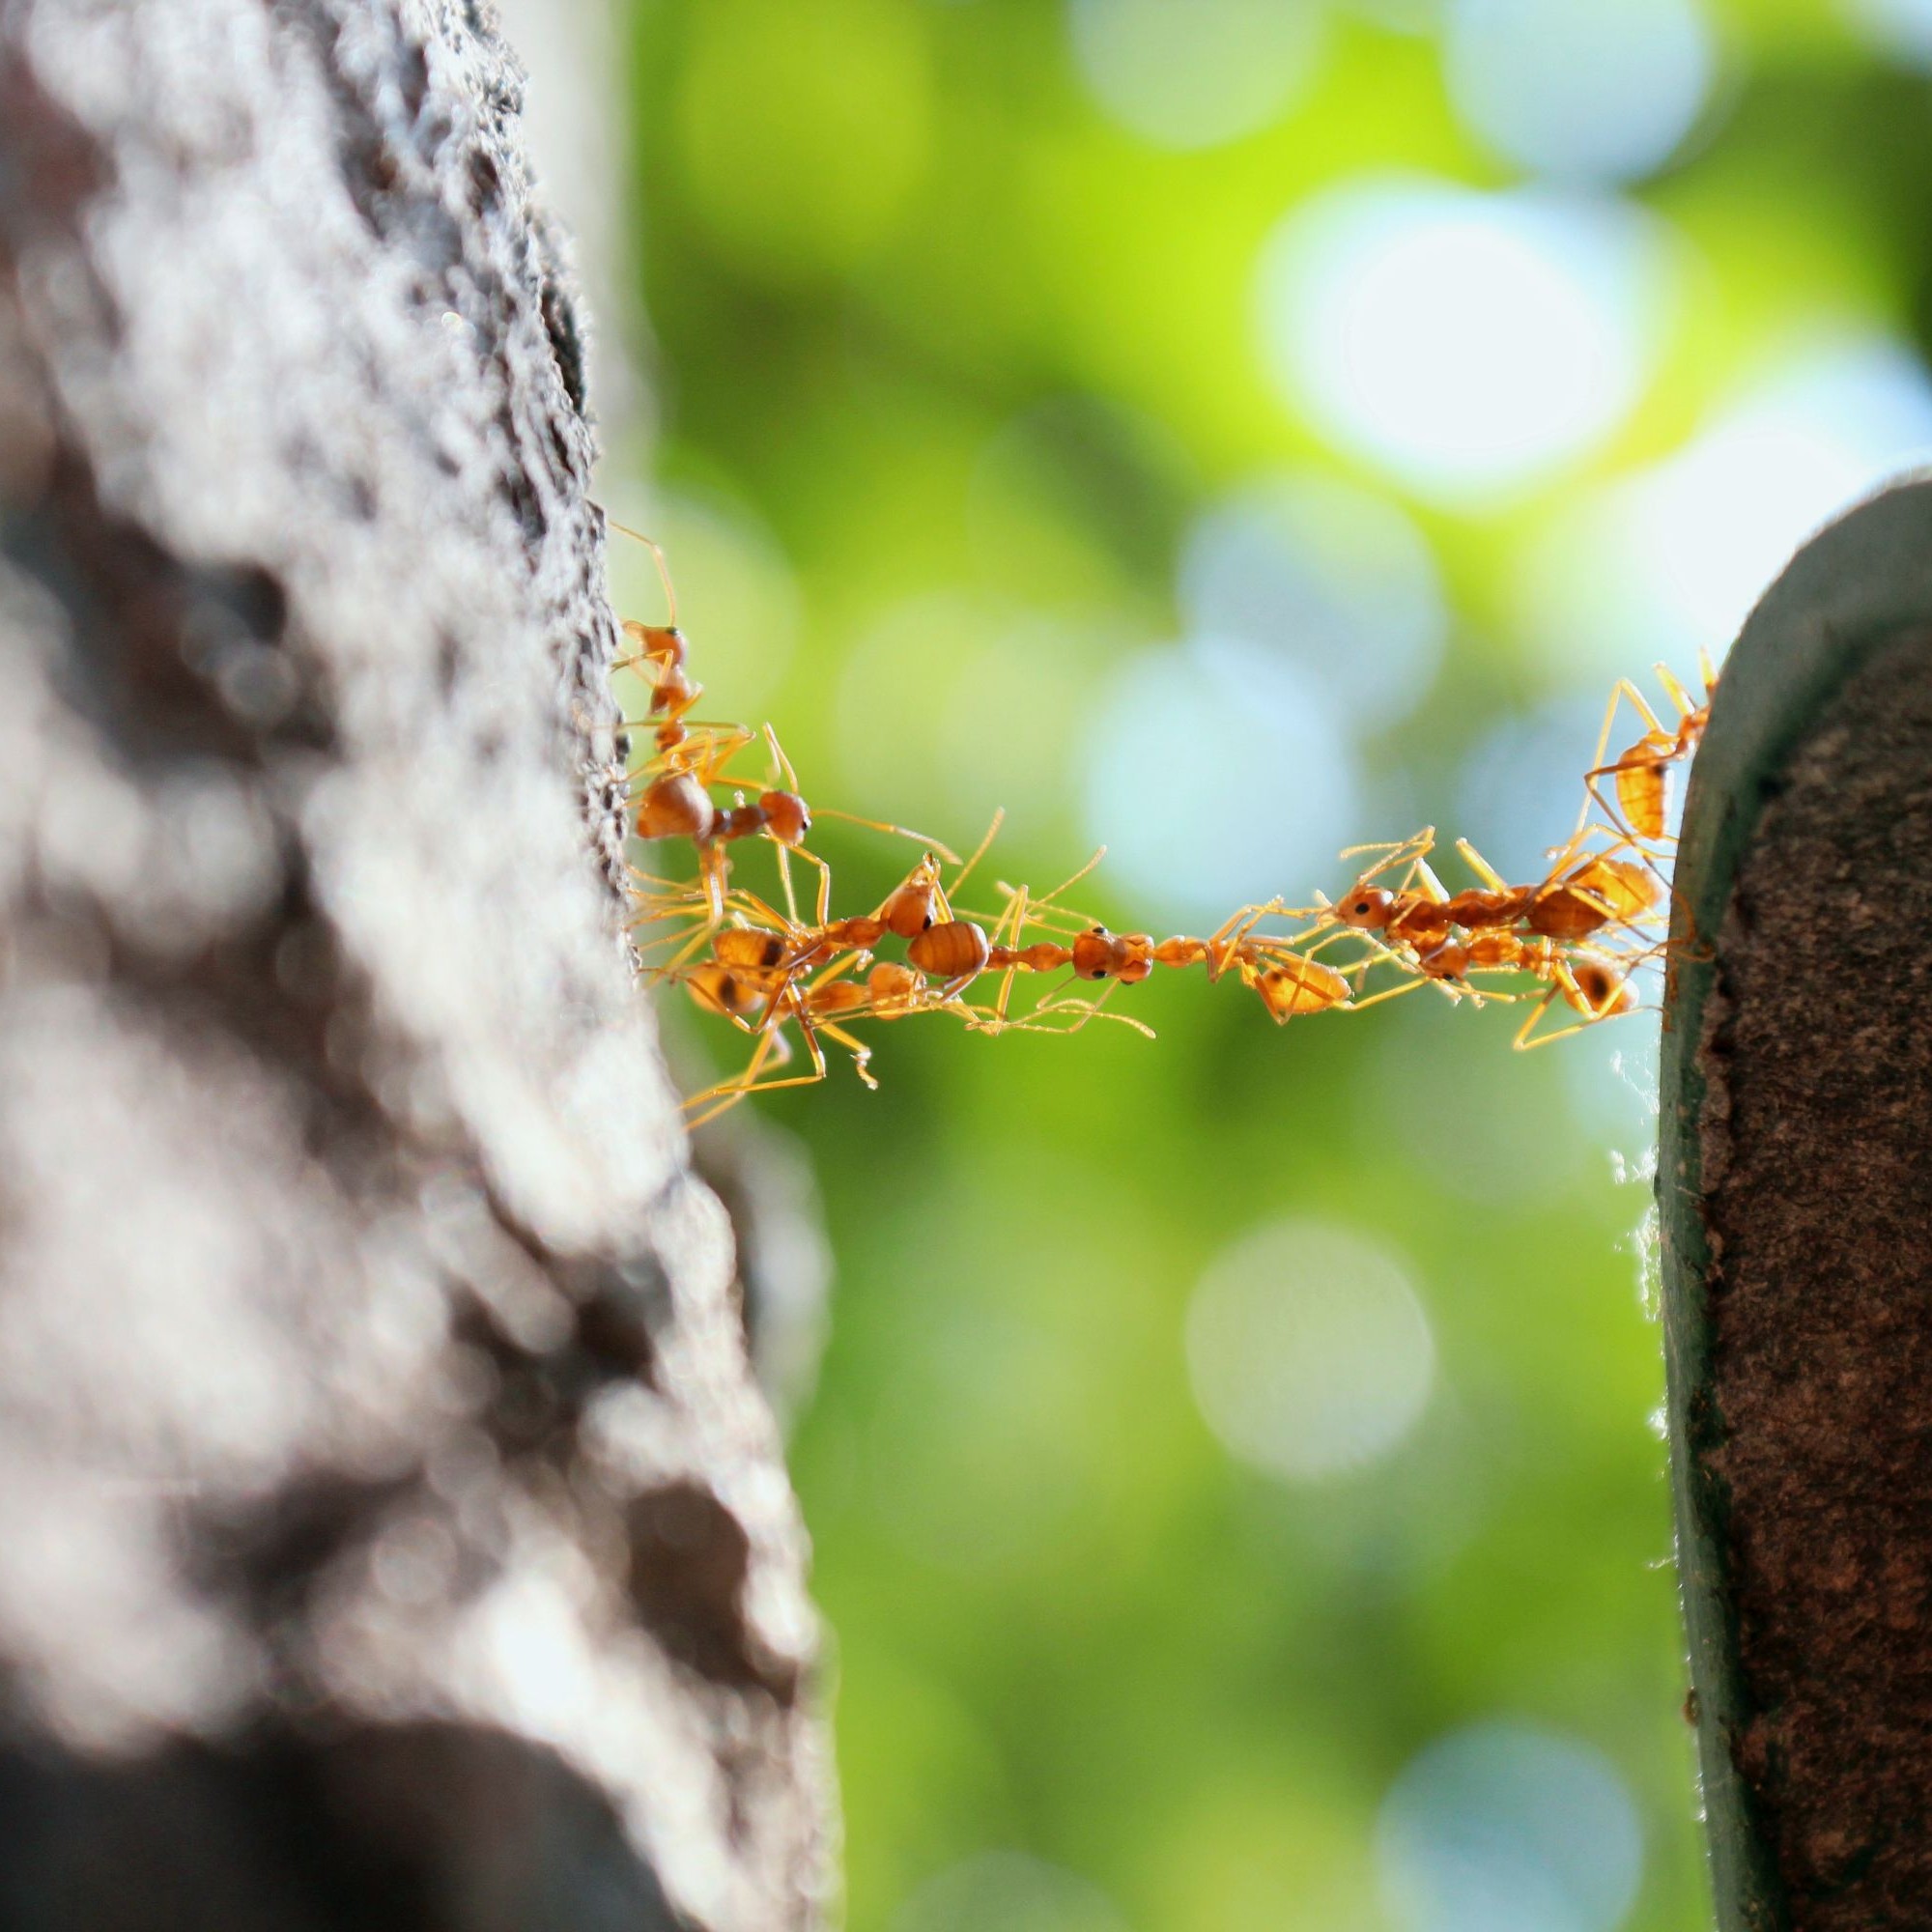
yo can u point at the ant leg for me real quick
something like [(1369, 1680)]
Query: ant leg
[(979, 850), (1073, 878), (1394, 992), (1417, 843), (824, 895), (861, 1053), (943, 851), (1085, 1009), (781, 766), (837, 970), (736, 1091), (715, 870), (784, 883), (1526, 1037), (1223, 941), (1016, 907), (692, 946), (1411, 851), (1674, 690), (1620, 691), (1094, 1005), (655, 549), (1561, 1033), (1481, 866), (1596, 766), (705, 758)]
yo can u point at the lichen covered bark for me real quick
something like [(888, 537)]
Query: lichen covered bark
[(392, 1532)]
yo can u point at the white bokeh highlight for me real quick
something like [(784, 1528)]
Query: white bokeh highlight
[(1506, 1827), (1195, 74), (1520, 786), (1672, 558), (1465, 343), (1309, 1349), (1217, 772), (1575, 91), (1331, 577), (1902, 28)]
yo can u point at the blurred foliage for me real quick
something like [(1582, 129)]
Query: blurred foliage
[(951, 359)]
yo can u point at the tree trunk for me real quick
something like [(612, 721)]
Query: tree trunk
[(1795, 1188), (390, 1531)]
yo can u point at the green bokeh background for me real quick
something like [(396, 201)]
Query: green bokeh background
[(929, 326)]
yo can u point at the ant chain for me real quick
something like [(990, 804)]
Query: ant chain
[(1566, 946)]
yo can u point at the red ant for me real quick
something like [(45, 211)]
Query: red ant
[(1640, 771)]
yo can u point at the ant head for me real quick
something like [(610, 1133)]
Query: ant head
[(1095, 953), (1367, 906), (787, 816)]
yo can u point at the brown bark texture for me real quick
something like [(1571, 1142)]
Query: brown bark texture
[(1817, 1176), (392, 1533)]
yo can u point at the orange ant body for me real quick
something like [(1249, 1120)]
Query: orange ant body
[(1640, 772), (1593, 985), (765, 971), (676, 802), (1569, 904)]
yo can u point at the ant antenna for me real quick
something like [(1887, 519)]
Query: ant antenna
[(655, 549)]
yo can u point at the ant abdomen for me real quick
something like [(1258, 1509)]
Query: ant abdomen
[(746, 947), (1303, 986), (1477, 909), (676, 806), (957, 950), (1601, 989), (714, 986), (1566, 912)]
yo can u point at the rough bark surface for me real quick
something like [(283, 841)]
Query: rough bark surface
[(1817, 1172), (390, 1531)]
